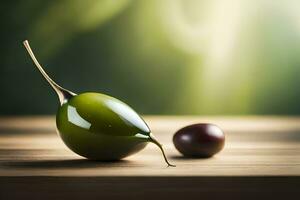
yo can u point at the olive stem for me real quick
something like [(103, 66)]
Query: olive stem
[(63, 94), (153, 140)]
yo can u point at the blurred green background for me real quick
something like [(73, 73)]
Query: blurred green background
[(231, 57)]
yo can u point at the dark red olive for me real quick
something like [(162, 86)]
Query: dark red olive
[(199, 140)]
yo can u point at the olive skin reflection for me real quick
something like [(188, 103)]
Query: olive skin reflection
[(199, 140)]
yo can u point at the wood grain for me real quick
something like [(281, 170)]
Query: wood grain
[(261, 153)]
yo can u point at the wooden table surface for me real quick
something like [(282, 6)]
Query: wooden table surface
[(261, 157)]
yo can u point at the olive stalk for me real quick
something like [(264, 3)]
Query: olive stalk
[(63, 94), (153, 140)]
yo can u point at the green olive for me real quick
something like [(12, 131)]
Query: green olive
[(101, 127), (97, 126)]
